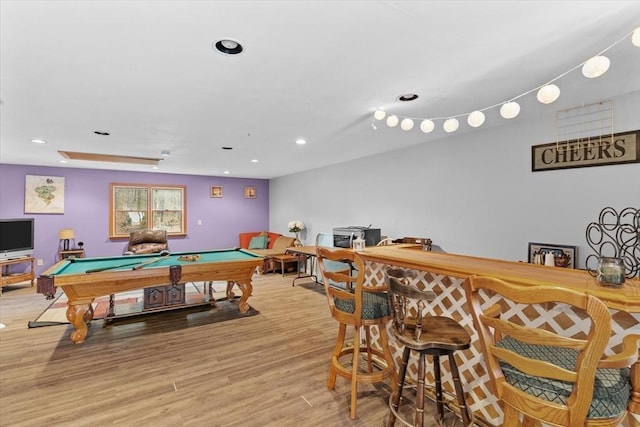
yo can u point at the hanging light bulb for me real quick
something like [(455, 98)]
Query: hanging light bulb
[(407, 124), (427, 126), (510, 109), (379, 114), (548, 93), (635, 37), (595, 67), (450, 125), (392, 120), (475, 119)]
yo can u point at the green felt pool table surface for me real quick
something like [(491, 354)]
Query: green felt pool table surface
[(128, 262)]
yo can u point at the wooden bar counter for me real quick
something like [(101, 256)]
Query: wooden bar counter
[(445, 274)]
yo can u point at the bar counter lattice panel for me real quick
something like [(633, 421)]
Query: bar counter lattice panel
[(450, 301)]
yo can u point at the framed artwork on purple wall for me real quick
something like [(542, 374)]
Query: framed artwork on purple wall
[(216, 191), (44, 194), (249, 192)]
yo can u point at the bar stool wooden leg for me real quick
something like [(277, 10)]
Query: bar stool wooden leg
[(397, 395), (354, 372), (420, 391), (462, 402), (439, 400), (331, 380)]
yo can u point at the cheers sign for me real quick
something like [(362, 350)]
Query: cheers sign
[(595, 151)]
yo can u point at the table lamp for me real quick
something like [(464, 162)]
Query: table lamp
[(66, 234)]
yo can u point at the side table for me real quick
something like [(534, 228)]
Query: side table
[(71, 253), (8, 278)]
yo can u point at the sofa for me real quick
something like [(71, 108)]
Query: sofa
[(266, 244)]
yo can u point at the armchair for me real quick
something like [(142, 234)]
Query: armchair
[(147, 242)]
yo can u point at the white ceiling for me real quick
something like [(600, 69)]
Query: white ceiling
[(146, 72)]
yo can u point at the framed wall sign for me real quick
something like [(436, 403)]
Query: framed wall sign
[(619, 148)]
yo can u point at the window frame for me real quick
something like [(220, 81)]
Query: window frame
[(149, 209)]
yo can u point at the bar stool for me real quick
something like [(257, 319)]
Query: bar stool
[(355, 305), (427, 335)]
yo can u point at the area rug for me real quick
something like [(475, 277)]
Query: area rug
[(126, 303)]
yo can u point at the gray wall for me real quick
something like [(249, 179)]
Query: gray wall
[(471, 193)]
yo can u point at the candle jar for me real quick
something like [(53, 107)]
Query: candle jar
[(610, 271)]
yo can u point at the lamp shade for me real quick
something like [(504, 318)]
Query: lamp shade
[(510, 109), (406, 124), (427, 126), (635, 37), (66, 233), (595, 67), (476, 119), (548, 93), (450, 125)]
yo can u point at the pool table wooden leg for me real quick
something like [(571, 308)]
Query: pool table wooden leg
[(246, 288), (79, 316)]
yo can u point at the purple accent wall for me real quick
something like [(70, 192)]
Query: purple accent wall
[(86, 209)]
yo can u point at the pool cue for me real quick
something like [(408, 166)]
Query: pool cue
[(96, 270), (151, 261)]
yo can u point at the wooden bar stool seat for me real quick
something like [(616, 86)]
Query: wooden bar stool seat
[(436, 336)]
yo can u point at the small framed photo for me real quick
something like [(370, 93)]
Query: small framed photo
[(249, 192), (564, 255), (216, 191)]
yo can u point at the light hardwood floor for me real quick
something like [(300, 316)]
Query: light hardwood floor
[(182, 368)]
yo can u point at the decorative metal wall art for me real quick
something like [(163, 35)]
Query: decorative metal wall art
[(616, 235)]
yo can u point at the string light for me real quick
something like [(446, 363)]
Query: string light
[(427, 126), (510, 109), (407, 124), (451, 125), (476, 119), (547, 93), (392, 120)]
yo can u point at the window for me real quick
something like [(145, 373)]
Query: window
[(140, 206)]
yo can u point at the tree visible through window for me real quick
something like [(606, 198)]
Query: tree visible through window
[(140, 206)]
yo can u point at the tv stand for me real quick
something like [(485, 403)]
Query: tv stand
[(11, 278)]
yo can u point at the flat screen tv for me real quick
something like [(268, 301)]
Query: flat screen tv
[(16, 237)]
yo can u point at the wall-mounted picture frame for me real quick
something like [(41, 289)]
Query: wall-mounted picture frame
[(565, 255), (44, 194), (249, 192), (216, 191)]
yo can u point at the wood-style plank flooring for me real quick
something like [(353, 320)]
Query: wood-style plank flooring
[(182, 368)]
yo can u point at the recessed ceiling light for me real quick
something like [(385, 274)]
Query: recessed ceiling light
[(300, 141), (408, 97), (98, 132), (227, 148), (39, 141), (226, 172), (62, 161), (228, 47), (155, 167), (254, 160)]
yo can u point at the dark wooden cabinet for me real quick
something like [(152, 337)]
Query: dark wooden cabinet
[(158, 297)]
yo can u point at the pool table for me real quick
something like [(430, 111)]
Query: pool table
[(84, 279)]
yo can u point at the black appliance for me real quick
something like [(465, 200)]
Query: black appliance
[(343, 236)]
